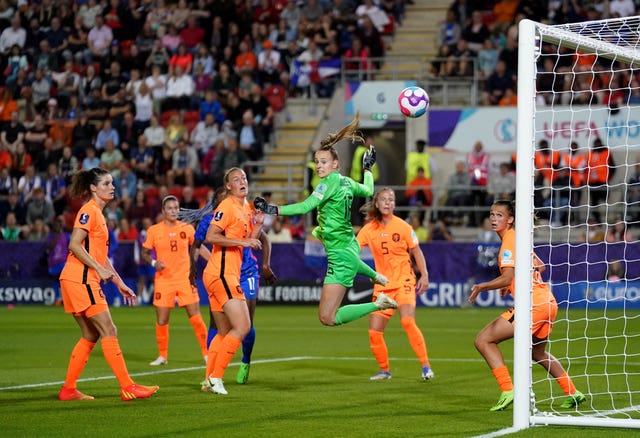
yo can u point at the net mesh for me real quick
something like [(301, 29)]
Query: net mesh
[(587, 204)]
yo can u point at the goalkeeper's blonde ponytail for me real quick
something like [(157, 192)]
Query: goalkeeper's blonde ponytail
[(350, 130)]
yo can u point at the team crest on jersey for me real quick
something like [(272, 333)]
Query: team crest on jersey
[(395, 237), (506, 254), (84, 218), (217, 216), (321, 188), (183, 235)]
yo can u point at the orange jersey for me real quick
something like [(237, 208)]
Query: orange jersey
[(90, 219), (390, 245), (171, 243), (507, 259), (236, 221)]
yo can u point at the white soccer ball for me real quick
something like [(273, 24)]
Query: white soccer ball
[(413, 101)]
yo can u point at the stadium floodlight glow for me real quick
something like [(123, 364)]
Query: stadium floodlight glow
[(597, 330)]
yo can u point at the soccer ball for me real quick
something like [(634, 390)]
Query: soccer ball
[(413, 101)]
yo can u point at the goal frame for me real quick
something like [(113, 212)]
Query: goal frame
[(531, 35)]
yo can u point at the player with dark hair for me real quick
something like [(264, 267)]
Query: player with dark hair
[(86, 266), (333, 197), (544, 310)]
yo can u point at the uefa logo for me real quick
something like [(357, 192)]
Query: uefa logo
[(505, 130)]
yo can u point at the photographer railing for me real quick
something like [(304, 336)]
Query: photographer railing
[(443, 90)]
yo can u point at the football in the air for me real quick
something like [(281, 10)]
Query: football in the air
[(413, 101)]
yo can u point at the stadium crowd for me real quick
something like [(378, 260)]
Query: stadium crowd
[(168, 95)]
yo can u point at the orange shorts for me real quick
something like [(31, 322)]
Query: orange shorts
[(83, 299), (221, 290), (166, 294), (542, 317), (402, 295)]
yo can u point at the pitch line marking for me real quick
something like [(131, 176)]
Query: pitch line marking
[(259, 361)]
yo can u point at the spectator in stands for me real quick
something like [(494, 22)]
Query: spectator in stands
[(21, 160), (188, 201), (440, 231), (12, 133), (224, 83), (250, 137), (312, 11), (548, 86), (574, 162), (89, 81), (476, 31), (91, 160), (97, 109), (421, 232), (128, 134), (155, 134), (416, 192), (98, 41), (39, 207), (204, 59), (143, 107), (262, 111), (600, 170), (546, 164), (269, 66), (171, 39), (35, 34), (6, 161), (192, 35), (12, 35), (501, 184), (107, 133), (12, 204), (16, 61), (621, 8), (77, 39), (184, 165), (56, 36), (460, 60), (204, 135), (369, 9), (142, 160), (497, 84), (245, 60), (125, 184), (509, 54), (279, 232), (126, 231), (182, 58), (111, 158), (371, 39), (619, 232), (210, 164), (38, 231), (449, 31), (68, 164), (83, 135), (12, 232), (157, 84), (487, 59), (40, 90), (211, 105), (176, 130), (291, 15), (595, 231), (158, 57), (419, 158), (180, 88), (55, 188), (360, 68), (478, 169), (88, 12), (232, 156)]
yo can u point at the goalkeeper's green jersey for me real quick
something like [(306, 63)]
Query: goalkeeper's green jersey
[(332, 197)]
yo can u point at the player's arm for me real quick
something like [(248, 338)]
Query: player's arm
[(304, 207), (368, 160), (146, 256), (266, 271), (215, 235), (423, 282), (538, 264), (78, 235), (503, 281), (128, 295)]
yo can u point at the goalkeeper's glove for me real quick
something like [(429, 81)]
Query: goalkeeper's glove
[(369, 158), (261, 205)]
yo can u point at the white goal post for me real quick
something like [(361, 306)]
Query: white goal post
[(596, 338)]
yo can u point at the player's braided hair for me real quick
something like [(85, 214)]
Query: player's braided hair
[(350, 130)]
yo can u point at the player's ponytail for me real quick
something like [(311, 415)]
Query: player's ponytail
[(191, 215), (350, 130), (83, 179)]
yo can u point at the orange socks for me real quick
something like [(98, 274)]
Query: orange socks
[(503, 378), (214, 348), (200, 329), (228, 348), (113, 355), (162, 336), (416, 339), (566, 384), (79, 357), (379, 349)]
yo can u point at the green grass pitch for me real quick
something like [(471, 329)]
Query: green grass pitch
[(306, 380)]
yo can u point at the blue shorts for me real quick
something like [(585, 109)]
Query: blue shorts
[(146, 271), (249, 284)]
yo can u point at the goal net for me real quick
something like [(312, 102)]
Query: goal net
[(577, 171)]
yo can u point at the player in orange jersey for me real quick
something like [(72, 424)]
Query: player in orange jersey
[(235, 225), (392, 242), (544, 309), (171, 240), (86, 266)]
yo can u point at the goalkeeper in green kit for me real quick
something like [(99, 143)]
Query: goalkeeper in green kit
[(333, 197)]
